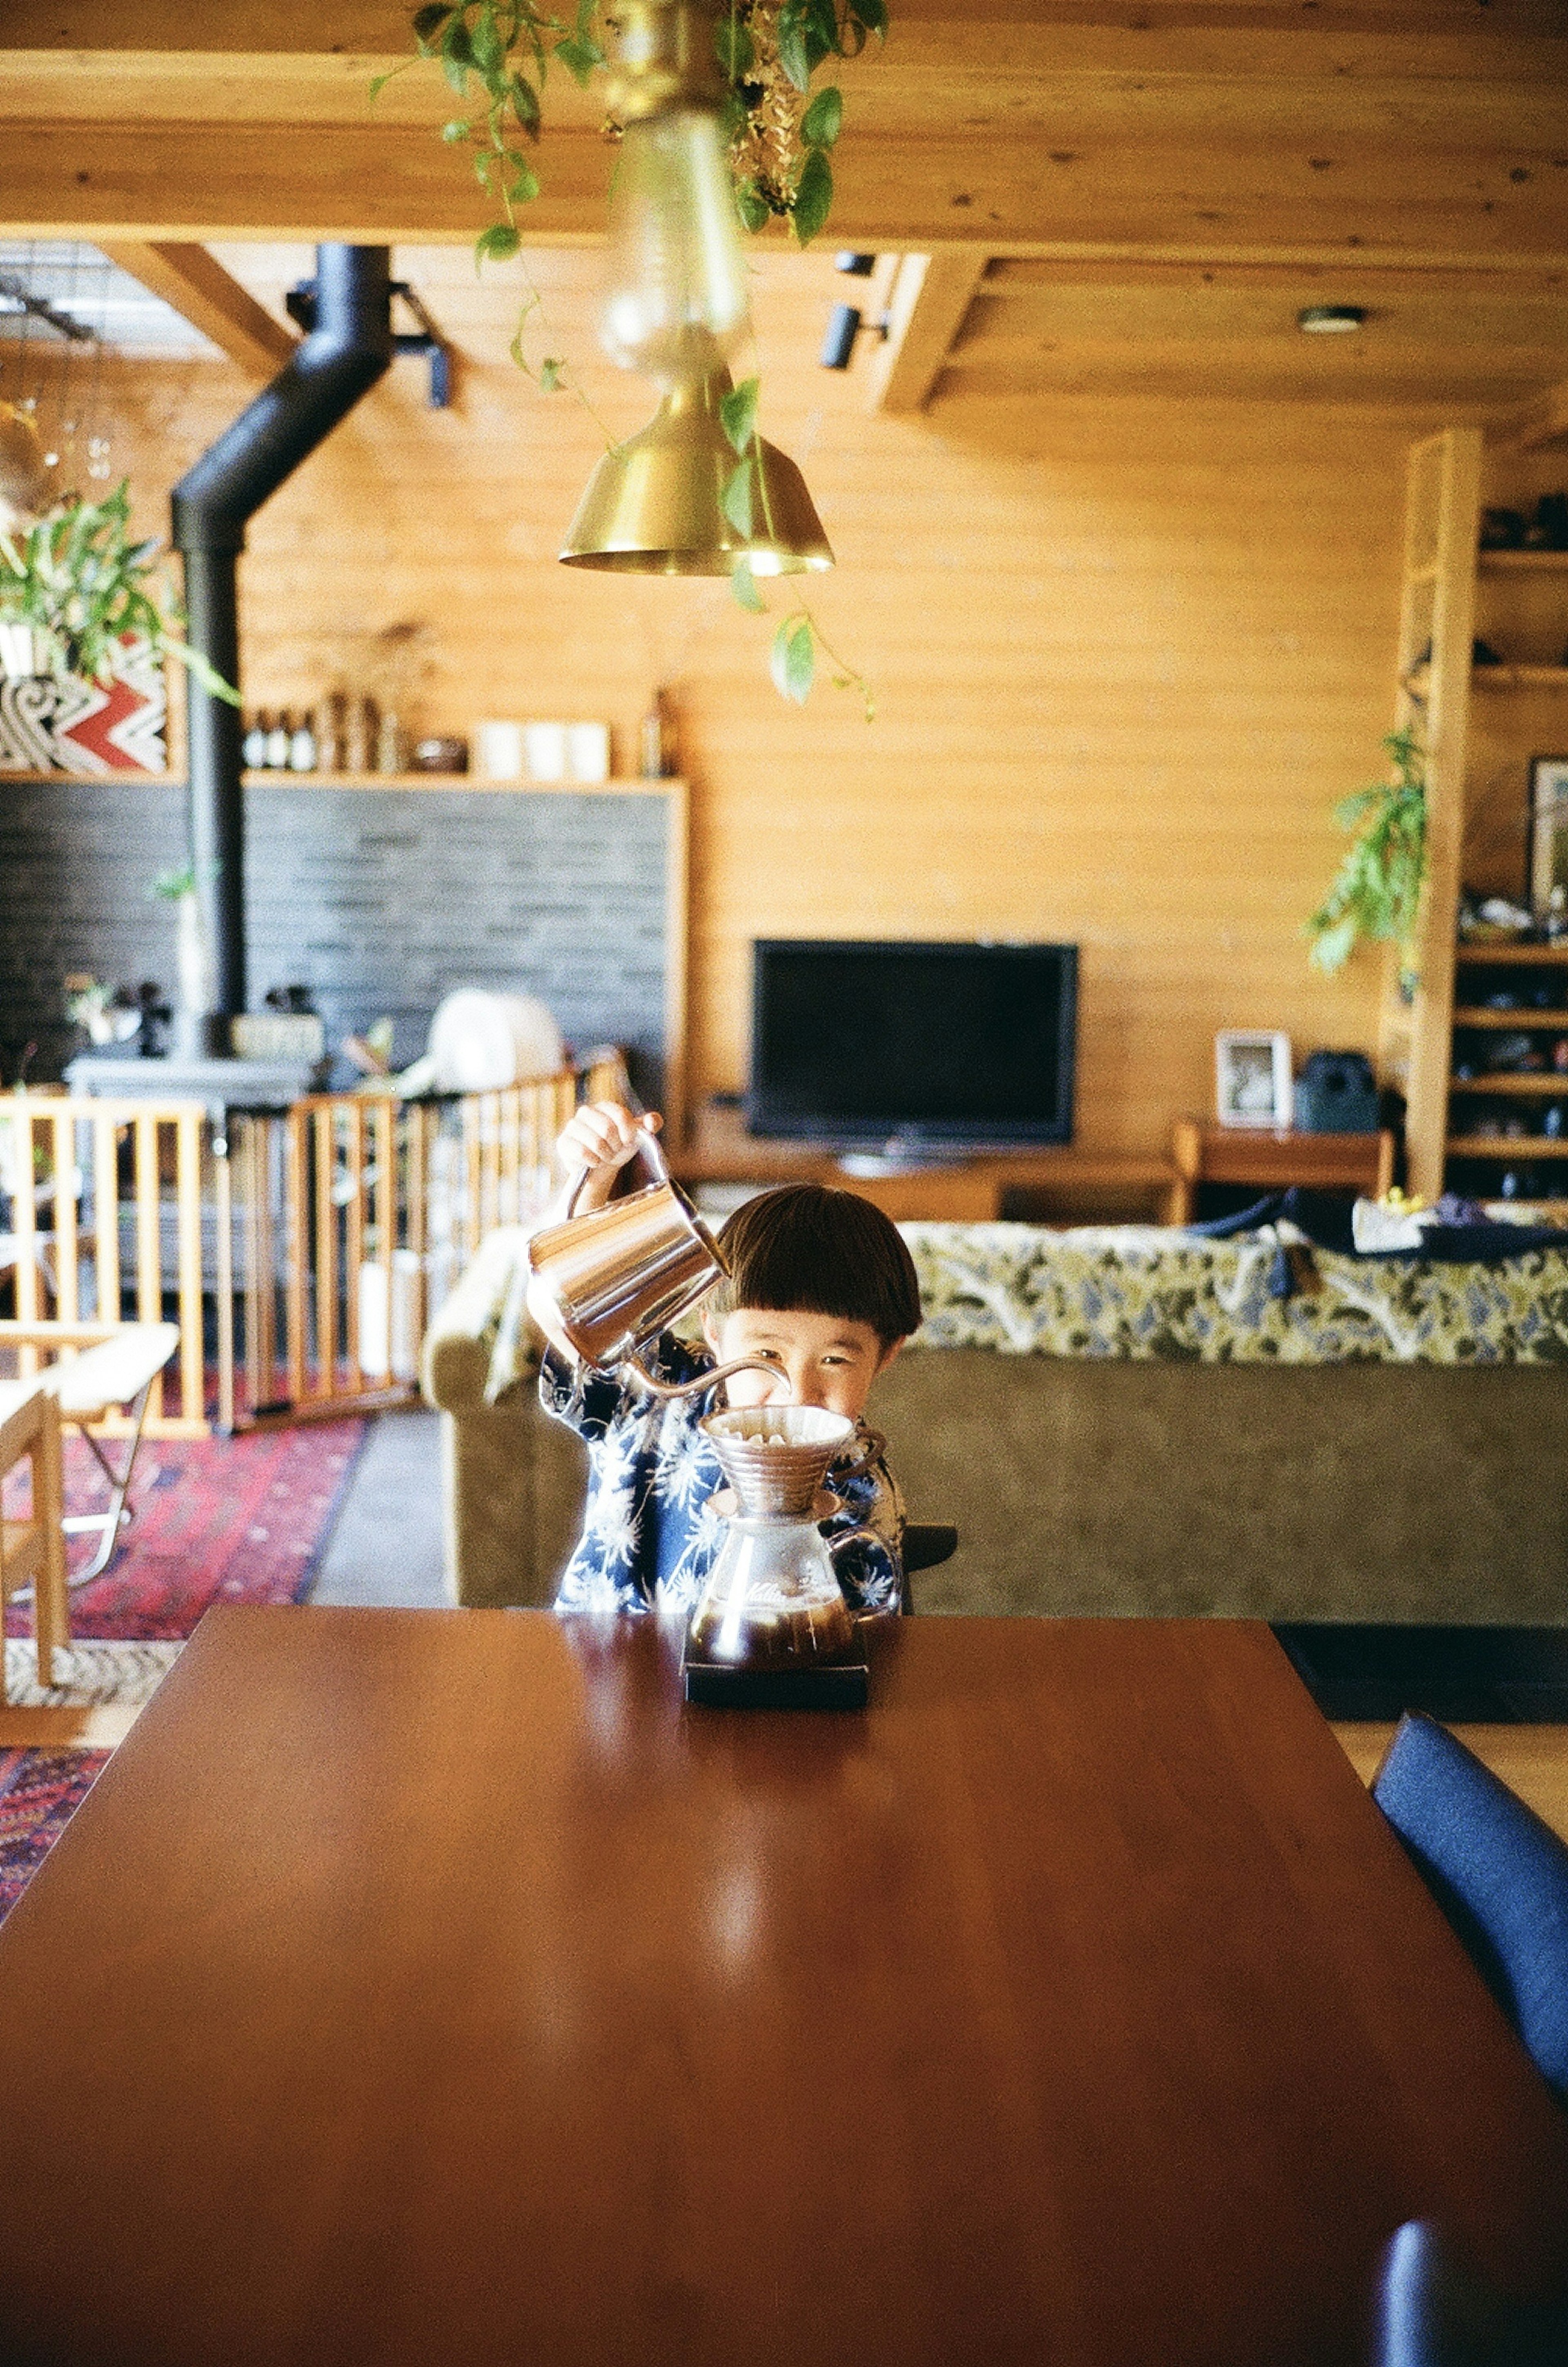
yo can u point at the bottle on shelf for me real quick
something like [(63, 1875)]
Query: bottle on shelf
[(359, 735), (277, 741), (329, 732), (655, 740), (302, 744), (388, 744), (253, 747)]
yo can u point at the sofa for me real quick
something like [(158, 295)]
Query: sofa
[(1127, 1421)]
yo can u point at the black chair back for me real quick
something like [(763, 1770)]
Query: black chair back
[(1433, 2311), (1499, 1875)]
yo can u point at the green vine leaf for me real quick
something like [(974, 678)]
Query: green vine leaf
[(497, 243), (580, 56), (737, 413), (736, 499), (751, 206), (870, 16), (743, 584), (427, 22), (792, 659), (823, 120), (737, 50), (813, 196)]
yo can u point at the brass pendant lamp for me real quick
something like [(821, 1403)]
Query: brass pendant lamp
[(653, 505), (676, 307)]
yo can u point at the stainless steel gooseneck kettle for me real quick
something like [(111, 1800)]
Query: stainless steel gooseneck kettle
[(618, 1275)]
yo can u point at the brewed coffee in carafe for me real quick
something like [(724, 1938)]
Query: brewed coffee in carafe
[(774, 1604)]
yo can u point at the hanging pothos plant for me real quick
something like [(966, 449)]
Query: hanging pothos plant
[(1377, 891), (78, 584), (780, 134)]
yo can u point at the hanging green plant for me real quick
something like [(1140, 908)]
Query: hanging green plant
[(779, 133), (1376, 893), (77, 586)]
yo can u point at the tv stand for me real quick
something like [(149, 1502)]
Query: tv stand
[(964, 1189)]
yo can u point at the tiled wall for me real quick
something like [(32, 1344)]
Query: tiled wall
[(380, 900)]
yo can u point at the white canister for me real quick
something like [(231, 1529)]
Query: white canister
[(546, 744), (501, 751), (588, 752)]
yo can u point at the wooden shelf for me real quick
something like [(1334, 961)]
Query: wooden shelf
[(1494, 677), (1506, 1148), (1522, 562), (620, 785), (1503, 953), (1547, 1088), (1557, 1020)]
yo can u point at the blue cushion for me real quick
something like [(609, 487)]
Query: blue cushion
[(1499, 1875)]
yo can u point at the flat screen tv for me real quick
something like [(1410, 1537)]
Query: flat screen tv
[(904, 1046)]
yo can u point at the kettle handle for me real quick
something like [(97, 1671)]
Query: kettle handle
[(647, 1144)]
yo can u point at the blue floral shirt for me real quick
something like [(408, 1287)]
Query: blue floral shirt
[(649, 1534)]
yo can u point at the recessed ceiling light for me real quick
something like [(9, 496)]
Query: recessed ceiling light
[(1330, 319)]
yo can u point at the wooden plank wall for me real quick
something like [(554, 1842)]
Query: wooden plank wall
[(1126, 655)]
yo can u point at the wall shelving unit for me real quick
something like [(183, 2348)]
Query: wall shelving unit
[(1446, 585)]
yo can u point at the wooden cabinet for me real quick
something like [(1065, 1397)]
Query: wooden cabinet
[(959, 1191), (1480, 725), (1272, 1159)]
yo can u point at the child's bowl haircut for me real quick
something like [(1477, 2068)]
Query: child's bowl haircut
[(805, 1249)]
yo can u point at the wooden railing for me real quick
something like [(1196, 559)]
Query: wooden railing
[(302, 1252), (104, 1218), (358, 1214)]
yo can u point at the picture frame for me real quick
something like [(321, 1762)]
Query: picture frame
[(1253, 1082), (1548, 830)]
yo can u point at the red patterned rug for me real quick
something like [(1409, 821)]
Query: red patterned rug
[(40, 1793), (216, 1520)]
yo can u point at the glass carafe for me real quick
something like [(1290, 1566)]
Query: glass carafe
[(773, 1602)]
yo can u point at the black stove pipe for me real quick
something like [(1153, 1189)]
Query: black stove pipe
[(349, 348)]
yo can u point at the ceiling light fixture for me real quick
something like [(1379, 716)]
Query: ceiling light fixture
[(858, 266), (676, 307), (1330, 319)]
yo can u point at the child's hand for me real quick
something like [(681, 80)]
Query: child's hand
[(602, 1137)]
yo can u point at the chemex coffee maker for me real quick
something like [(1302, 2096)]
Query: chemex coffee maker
[(772, 1629)]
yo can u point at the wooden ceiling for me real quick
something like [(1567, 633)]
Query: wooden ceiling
[(1094, 198)]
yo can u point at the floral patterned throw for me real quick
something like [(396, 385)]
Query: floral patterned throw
[(1145, 1291)]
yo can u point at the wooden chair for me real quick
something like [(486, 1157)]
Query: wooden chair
[(34, 1549), (98, 1369)]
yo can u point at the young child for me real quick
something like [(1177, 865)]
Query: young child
[(821, 1286)]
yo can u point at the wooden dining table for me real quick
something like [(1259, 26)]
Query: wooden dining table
[(437, 1988)]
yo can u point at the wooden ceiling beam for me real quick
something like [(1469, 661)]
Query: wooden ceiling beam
[(929, 296), (1540, 428), (370, 26), (196, 286), (375, 181)]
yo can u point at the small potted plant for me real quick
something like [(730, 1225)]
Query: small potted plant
[(1377, 890), (75, 589)]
